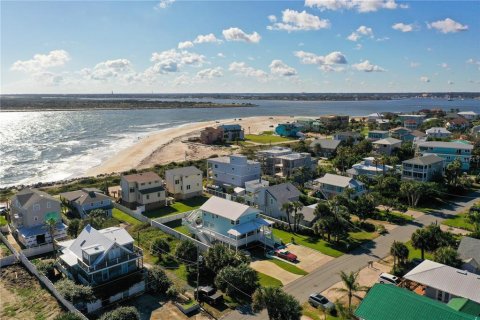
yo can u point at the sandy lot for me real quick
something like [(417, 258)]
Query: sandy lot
[(272, 270), (167, 146), (151, 308), (367, 277), (309, 259), (454, 230)]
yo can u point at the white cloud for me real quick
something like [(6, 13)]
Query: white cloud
[(207, 38), (358, 5), (241, 68), (185, 45), (331, 68), (163, 4), (444, 65), (474, 62), (48, 78), (237, 34), (424, 79), (220, 55), (272, 18), (108, 70), (414, 64), (299, 21), (447, 26), (360, 32), (210, 73), (335, 57), (55, 58), (403, 27), (366, 66), (171, 60), (280, 68)]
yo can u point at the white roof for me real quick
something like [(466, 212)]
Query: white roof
[(336, 180), (119, 235), (471, 113), (437, 130), (387, 141), (448, 279), (226, 208)]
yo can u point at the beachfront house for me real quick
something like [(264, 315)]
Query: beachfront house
[(309, 124), (233, 170), (375, 135), (423, 168), (88, 199), (184, 182), (386, 146), (457, 124), (232, 132), (288, 129), (369, 167), (283, 161), (348, 137), (143, 190), (442, 282), (29, 211), (334, 122), (449, 151), (412, 121), (438, 133), (270, 160), (331, 185), (211, 135), (469, 253), (99, 256), (469, 115), (228, 222), (272, 198), (324, 147)]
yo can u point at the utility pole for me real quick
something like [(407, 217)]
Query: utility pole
[(199, 260)]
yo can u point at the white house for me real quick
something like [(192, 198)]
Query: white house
[(469, 115), (386, 146), (233, 170), (184, 183), (88, 199), (422, 168), (369, 167), (438, 132), (143, 189), (331, 185)]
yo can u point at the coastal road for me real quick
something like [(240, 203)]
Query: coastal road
[(328, 274)]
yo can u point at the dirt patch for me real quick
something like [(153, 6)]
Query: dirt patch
[(309, 259), (169, 311), (22, 297), (367, 277), (272, 270), (454, 230)]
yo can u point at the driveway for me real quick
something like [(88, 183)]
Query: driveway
[(272, 270), (309, 259)]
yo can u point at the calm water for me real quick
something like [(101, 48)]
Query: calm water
[(50, 146)]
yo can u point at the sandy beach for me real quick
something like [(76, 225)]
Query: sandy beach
[(171, 145)]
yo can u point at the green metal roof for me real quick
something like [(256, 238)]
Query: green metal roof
[(465, 305), (388, 302)]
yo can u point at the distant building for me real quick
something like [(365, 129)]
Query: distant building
[(88, 199), (331, 185), (143, 189), (438, 132), (368, 167), (469, 252), (457, 124), (288, 130), (232, 132), (386, 146), (233, 170), (402, 133), (289, 163), (270, 160), (412, 121), (382, 124), (375, 135), (334, 122), (475, 130), (309, 124), (324, 147), (373, 117), (211, 135), (271, 199), (253, 191), (449, 151), (29, 211), (469, 115), (348, 136), (422, 168), (184, 182)]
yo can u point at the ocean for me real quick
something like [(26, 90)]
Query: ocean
[(45, 146)]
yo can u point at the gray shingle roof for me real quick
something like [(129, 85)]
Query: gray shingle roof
[(283, 192), (443, 144), (326, 143), (82, 196), (469, 248), (28, 196), (142, 177), (186, 171), (387, 141), (425, 160)]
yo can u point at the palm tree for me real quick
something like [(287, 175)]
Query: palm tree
[(51, 225), (420, 240), (399, 251), (351, 285), (297, 206), (447, 256), (288, 208)]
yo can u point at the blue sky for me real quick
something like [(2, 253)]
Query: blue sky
[(239, 46)]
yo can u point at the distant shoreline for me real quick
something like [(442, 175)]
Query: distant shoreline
[(126, 108)]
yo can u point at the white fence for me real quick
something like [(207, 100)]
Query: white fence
[(131, 213), (8, 261), (173, 217), (35, 251)]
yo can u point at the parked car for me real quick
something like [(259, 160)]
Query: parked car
[(388, 278), (317, 299), (285, 254), (209, 295)]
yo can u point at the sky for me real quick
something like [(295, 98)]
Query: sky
[(179, 46)]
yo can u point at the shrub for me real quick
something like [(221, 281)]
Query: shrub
[(158, 280), (75, 293), (46, 267), (121, 313), (172, 292), (68, 316)]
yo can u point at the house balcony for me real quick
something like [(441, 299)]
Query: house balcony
[(135, 255)]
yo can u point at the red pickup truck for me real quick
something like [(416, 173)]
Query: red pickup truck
[(285, 254)]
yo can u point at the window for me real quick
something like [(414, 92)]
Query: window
[(35, 218), (148, 196), (36, 207), (237, 222), (188, 187), (177, 181), (49, 205), (232, 222), (142, 184), (158, 194), (132, 190), (216, 166)]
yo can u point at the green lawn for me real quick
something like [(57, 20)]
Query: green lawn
[(266, 138), (267, 281), (393, 217), (123, 217), (177, 207), (289, 267), (315, 314), (459, 221), (3, 221), (416, 253), (177, 225)]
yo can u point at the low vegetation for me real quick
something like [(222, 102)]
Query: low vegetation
[(177, 207)]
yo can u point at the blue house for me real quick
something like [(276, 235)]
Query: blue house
[(449, 151), (288, 130), (232, 223)]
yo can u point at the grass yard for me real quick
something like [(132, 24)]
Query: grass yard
[(177, 207), (459, 221), (267, 281), (416, 253), (266, 138), (315, 314), (394, 217), (289, 267), (123, 217), (3, 221), (177, 225)]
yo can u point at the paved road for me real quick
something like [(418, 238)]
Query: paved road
[(327, 275)]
